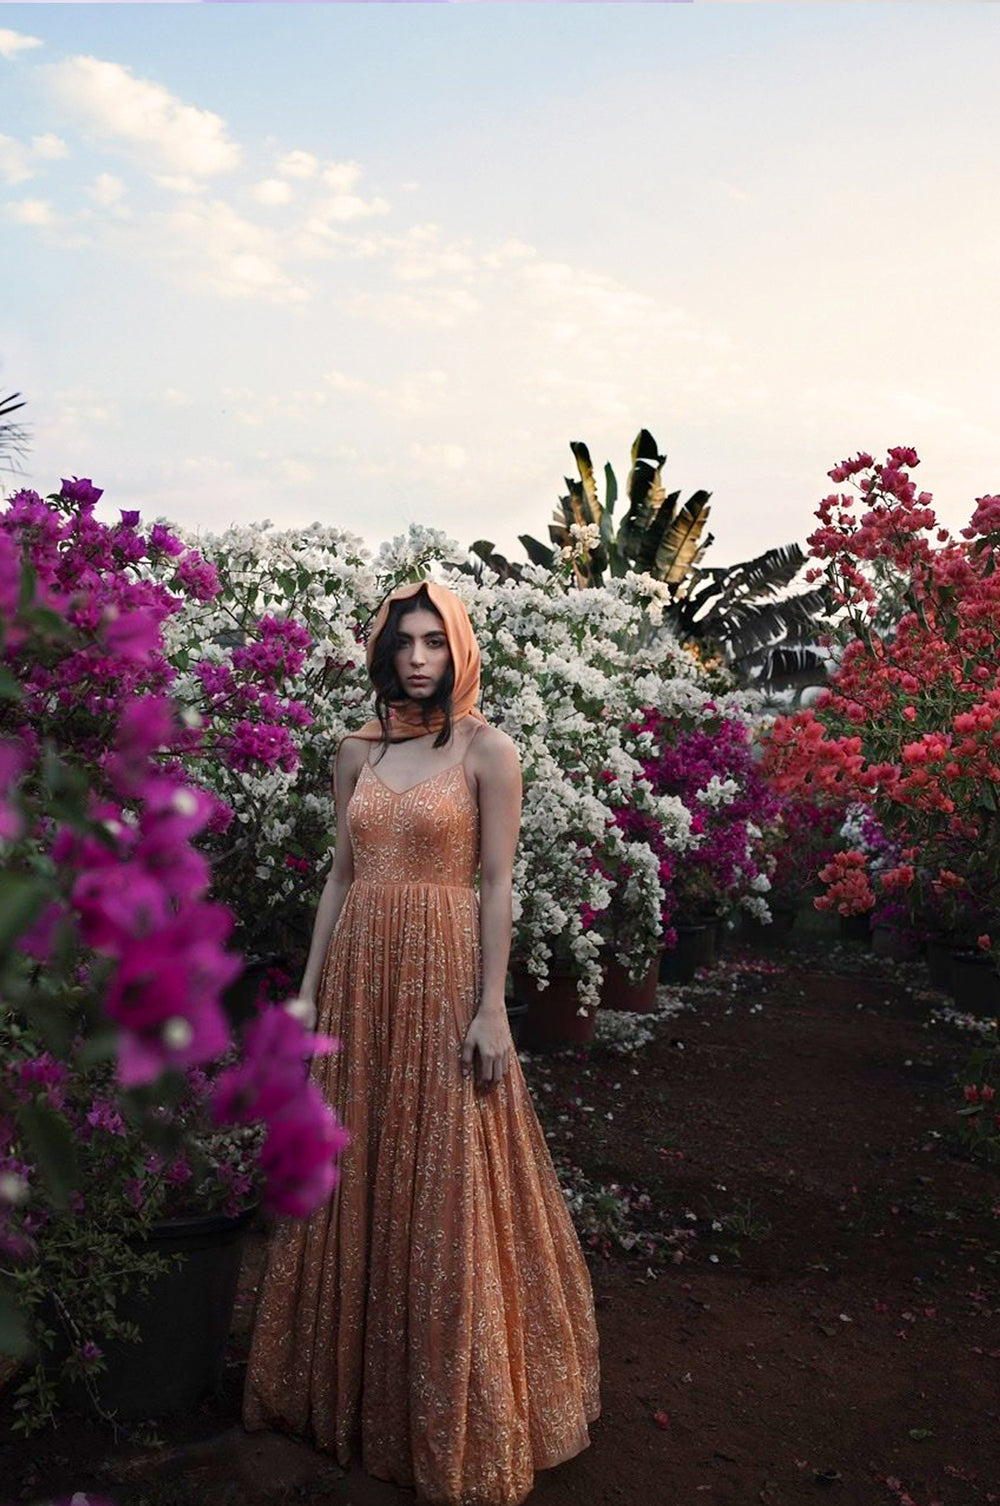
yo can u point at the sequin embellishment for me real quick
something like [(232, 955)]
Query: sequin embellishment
[(434, 1320)]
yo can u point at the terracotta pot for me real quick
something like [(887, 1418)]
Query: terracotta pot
[(695, 948), (552, 1020), (618, 992)]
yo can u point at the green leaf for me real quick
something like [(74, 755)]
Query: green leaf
[(15, 1340), (50, 1141), (10, 686), (610, 488), (99, 1046), (21, 899), (537, 553), (920, 1433), (29, 575), (48, 1015)]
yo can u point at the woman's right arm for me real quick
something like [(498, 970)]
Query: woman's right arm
[(347, 765)]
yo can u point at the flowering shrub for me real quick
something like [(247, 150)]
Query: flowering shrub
[(801, 838), (72, 1264), (979, 1116), (564, 673), (709, 765), (110, 950), (291, 613), (910, 722)]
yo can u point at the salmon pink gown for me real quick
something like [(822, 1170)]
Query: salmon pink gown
[(434, 1319)]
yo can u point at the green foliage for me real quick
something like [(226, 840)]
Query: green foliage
[(747, 615), (979, 1117), (13, 436)]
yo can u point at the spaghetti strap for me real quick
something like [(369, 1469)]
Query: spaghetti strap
[(472, 739)]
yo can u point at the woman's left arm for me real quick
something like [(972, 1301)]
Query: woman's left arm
[(498, 773)]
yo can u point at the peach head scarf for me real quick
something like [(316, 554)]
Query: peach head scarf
[(405, 719)]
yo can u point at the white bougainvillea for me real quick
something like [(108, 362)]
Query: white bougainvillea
[(564, 671)]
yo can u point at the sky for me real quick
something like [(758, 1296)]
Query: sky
[(380, 264)]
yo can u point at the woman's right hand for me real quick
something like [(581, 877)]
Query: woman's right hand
[(303, 1007)]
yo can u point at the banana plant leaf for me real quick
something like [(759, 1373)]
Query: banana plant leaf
[(673, 544), (743, 626), (643, 488), (537, 552)]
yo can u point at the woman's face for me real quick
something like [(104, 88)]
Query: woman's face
[(422, 653)]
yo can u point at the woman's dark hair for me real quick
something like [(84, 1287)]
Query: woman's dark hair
[(388, 686)]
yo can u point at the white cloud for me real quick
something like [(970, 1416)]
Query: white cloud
[(37, 212), (19, 162), (142, 118), (298, 165), (348, 206), (178, 183), (442, 307), (294, 472), (15, 160), (220, 251), (570, 303), (341, 176), (13, 42), (416, 393), (506, 252), (273, 191), (107, 190), (423, 265), (736, 194), (448, 457), (49, 148)]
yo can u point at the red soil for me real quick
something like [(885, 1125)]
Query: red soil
[(843, 1342)]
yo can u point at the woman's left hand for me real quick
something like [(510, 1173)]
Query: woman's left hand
[(489, 1033)]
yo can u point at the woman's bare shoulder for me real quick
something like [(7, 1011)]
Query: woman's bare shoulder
[(493, 748), (351, 753)]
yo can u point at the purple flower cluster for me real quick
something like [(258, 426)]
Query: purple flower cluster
[(127, 882), (683, 762), (299, 1165)]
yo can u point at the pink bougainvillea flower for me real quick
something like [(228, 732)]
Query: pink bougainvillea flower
[(82, 491), (298, 1157), (165, 994), (304, 1137)]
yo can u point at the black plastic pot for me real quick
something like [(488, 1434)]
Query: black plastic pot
[(758, 934), (516, 1012), (856, 928), (895, 943), (937, 955), (184, 1321), (695, 948), (975, 986)]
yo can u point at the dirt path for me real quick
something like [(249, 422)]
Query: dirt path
[(829, 1329)]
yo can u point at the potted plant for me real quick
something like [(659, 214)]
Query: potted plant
[(128, 1288), (116, 984), (908, 723)]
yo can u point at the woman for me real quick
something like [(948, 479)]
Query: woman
[(436, 1314)]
